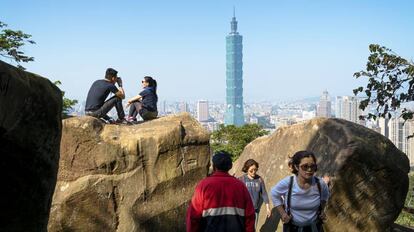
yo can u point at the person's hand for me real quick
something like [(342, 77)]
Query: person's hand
[(322, 216), (285, 218), (119, 81), (268, 212), (128, 103), (326, 179)]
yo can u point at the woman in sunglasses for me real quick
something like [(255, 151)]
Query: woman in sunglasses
[(256, 187), (145, 103), (301, 198)]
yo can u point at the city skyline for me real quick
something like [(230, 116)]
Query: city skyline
[(303, 46)]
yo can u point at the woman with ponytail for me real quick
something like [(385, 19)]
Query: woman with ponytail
[(145, 103)]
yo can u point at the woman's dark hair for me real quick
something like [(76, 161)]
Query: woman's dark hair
[(151, 83), (248, 164), (297, 157)]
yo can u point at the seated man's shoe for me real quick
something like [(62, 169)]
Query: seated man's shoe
[(123, 121)]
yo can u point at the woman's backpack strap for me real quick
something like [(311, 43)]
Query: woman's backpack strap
[(318, 183), (289, 194)]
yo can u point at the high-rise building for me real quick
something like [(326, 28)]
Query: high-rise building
[(183, 107), (324, 107), (202, 111), (398, 134), (234, 77), (347, 107), (162, 107), (383, 125)]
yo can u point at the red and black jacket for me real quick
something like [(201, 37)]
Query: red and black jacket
[(220, 203)]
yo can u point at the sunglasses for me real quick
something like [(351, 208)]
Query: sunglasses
[(308, 167)]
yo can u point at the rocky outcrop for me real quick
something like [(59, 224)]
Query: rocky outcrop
[(30, 130), (128, 178), (368, 173)]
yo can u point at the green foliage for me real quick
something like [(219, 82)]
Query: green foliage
[(390, 83), (67, 103), (407, 219), (233, 139), (11, 43)]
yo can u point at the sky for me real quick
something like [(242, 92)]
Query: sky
[(291, 49)]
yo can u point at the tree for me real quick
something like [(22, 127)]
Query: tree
[(233, 139), (11, 43), (390, 83), (67, 103)]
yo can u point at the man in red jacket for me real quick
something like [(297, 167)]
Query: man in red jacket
[(221, 202)]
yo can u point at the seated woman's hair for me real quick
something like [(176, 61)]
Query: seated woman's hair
[(151, 83), (297, 157), (248, 164)]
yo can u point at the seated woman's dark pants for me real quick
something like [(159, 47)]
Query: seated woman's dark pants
[(145, 114)]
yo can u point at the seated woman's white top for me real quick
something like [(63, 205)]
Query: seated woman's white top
[(304, 203)]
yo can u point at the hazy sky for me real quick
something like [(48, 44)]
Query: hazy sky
[(291, 49)]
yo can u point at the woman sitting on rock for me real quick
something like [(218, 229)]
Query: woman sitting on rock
[(145, 103), (256, 187), (301, 198)]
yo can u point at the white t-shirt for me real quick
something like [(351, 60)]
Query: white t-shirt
[(304, 204)]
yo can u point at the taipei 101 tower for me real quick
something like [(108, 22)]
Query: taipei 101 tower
[(234, 77)]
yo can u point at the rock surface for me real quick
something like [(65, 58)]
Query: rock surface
[(128, 178), (30, 130), (369, 180)]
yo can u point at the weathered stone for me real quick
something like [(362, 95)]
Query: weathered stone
[(128, 178), (30, 130), (369, 178)]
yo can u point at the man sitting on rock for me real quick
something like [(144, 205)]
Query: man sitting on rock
[(221, 202), (97, 107)]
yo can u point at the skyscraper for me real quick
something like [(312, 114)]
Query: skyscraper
[(234, 77), (398, 131), (183, 107), (202, 111), (347, 107), (324, 107)]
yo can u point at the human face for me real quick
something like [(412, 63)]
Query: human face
[(306, 168), (251, 172), (144, 83)]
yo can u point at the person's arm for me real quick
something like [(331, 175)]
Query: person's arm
[(249, 213), (120, 93), (279, 190), (265, 197), (195, 211), (136, 98), (283, 215)]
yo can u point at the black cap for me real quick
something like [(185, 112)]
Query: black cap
[(222, 161)]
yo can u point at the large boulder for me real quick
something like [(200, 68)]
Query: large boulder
[(128, 178), (30, 130), (369, 175)]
